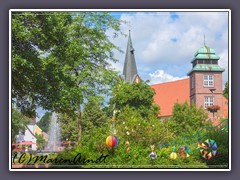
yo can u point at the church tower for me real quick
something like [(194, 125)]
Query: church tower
[(130, 73), (206, 79)]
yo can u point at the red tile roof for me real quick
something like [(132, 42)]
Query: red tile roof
[(169, 93)]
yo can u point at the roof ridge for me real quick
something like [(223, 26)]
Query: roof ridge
[(171, 81), (30, 131)]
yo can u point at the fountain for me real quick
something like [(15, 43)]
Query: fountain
[(54, 134)]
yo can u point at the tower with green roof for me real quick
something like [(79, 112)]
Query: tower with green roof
[(206, 79)]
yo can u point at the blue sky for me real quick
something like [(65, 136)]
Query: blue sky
[(165, 42)]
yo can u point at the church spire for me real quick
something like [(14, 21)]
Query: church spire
[(130, 68)]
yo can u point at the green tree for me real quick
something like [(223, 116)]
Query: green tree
[(225, 91), (44, 122), (138, 96), (41, 142), (59, 58), (68, 127), (187, 119), (93, 115), (19, 122), (34, 34), (141, 131)]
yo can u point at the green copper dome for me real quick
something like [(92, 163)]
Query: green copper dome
[(205, 53), (206, 60), (205, 50)]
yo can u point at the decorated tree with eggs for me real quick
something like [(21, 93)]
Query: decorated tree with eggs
[(135, 119)]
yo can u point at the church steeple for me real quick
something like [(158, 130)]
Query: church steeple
[(130, 69)]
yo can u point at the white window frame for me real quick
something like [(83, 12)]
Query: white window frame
[(208, 80), (208, 101)]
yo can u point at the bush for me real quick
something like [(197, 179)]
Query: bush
[(118, 157), (135, 154), (187, 119), (221, 160)]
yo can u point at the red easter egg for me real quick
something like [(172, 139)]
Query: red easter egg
[(112, 141)]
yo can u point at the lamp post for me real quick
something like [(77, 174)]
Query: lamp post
[(212, 91)]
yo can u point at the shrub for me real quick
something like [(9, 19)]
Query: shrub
[(221, 160), (187, 119)]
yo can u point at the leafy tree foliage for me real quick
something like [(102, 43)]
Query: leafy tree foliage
[(225, 91), (41, 142), (138, 96), (93, 115), (44, 122), (221, 136), (108, 110), (68, 127), (19, 122), (187, 119), (59, 58), (132, 127), (32, 36)]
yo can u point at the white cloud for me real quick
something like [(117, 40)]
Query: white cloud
[(117, 67), (164, 43), (223, 62), (160, 76), (158, 58)]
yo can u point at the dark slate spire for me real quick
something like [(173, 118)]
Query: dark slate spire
[(130, 68)]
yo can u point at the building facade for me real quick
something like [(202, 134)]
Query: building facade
[(206, 79), (203, 87), (30, 133)]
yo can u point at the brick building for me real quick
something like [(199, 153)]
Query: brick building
[(206, 79), (203, 87)]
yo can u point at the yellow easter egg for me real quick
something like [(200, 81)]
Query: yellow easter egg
[(173, 155)]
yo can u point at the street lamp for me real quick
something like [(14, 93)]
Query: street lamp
[(212, 91)]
